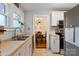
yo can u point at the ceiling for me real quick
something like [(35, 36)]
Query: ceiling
[(47, 6)]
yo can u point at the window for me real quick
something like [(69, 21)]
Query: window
[(3, 20), (2, 8), (3, 17), (16, 23), (16, 20)]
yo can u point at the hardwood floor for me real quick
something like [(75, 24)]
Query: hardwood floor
[(41, 44), (44, 52)]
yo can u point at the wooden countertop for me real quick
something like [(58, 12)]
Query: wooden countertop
[(9, 47)]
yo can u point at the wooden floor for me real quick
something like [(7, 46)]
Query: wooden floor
[(44, 52), (41, 44)]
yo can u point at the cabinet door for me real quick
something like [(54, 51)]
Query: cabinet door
[(55, 44), (52, 43), (25, 50), (30, 49), (22, 51), (57, 15), (54, 19)]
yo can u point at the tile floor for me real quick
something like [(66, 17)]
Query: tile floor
[(44, 52)]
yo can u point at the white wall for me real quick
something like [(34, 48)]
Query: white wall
[(42, 26), (10, 9), (29, 21), (28, 17)]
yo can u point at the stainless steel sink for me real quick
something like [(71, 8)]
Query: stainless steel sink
[(19, 38)]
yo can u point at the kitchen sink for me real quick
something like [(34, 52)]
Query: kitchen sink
[(19, 38)]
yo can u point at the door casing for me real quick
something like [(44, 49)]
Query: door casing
[(48, 29)]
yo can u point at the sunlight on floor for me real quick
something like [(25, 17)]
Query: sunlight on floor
[(44, 52)]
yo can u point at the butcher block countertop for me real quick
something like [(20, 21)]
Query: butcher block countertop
[(8, 47)]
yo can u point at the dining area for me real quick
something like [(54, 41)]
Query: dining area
[(40, 39)]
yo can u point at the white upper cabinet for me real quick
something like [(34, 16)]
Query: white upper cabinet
[(56, 15)]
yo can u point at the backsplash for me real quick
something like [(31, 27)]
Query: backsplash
[(7, 34)]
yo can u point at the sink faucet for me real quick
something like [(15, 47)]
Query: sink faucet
[(15, 31)]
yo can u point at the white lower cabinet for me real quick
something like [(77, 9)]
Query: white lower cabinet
[(25, 50), (30, 49), (18, 53), (55, 44)]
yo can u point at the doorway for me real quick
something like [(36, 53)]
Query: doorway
[(40, 28), (40, 39)]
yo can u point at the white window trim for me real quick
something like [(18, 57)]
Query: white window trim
[(5, 15)]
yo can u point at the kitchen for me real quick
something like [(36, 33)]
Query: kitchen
[(9, 43), (17, 34)]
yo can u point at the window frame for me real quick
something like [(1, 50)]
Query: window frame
[(19, 18), (4, 14), (4, 8)]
